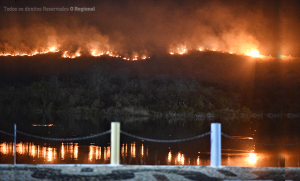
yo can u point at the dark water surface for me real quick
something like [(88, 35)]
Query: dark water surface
[(134, 151)]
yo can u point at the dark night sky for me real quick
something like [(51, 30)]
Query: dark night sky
[(154, 26)]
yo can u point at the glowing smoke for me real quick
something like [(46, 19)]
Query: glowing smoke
[(135, 30)]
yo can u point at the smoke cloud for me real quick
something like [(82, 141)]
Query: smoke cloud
[(150, 27)]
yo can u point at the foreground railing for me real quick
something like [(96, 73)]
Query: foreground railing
[(215, 141)]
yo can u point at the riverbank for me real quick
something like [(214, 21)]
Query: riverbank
[(149, 173)]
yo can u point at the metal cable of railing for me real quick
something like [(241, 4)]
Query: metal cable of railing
[(64, 139), (260, 144), (6, 133), (149, 139), (164, 141), (56, 139)]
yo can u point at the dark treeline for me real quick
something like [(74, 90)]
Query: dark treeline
[(98, 90), (197, 83)]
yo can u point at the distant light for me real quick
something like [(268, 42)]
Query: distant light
[(48, 125), (252, 158)]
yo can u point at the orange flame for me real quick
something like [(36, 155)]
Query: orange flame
[(254, 53), (66, 54)]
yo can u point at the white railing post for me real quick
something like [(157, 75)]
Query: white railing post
[(215, 145), (15, 146), (115, 143)]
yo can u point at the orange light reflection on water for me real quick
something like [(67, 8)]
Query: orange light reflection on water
[(123, 150), (95, 153), (91, 153), (142, 150), (6, 148), (106, 153), (198, 160), (75, 151), (170, 156), (47, 153), (71, 151), (62, 152), (133, 150), (50, 154), (179, 160), (252, 159)]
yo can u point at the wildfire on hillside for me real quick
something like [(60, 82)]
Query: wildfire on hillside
[(92, 51), (96, 52), (251, 52)]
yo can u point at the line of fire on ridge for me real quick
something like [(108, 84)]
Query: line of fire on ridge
[(172, 51)]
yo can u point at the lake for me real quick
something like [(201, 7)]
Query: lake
[(251, 149)]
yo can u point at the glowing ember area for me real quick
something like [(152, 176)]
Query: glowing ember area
[(180, 49), (96, 51), (254, 53), (51, 46), (71, 55), (249, 52), (51, 49), (144, 57), (92, 49)]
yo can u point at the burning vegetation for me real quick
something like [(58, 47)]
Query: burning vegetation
[(136, 31), (214, 42)]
